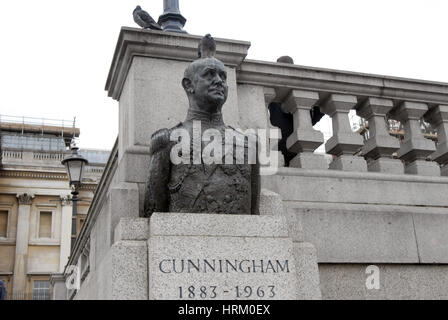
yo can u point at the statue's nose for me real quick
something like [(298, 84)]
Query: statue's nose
[(218, 79)]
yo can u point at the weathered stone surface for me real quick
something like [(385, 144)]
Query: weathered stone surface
[(332, 186), (124, 198), (349, 163), (309, 161), (444, 170), (348, 281), (346, 233), (432, 236), (423, 168), (129, 270), (305, 257), (218, 259), (187, 224), (271, 203), (385, 165), (132, 229), (251, 116)]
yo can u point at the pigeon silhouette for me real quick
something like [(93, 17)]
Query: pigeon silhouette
[(144, 20), (207, 47)]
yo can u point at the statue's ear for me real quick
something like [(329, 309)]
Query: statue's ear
[(188, 85)]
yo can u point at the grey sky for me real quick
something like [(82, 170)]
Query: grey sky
[(56, 53)]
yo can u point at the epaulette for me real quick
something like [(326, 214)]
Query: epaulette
[(159, 140)]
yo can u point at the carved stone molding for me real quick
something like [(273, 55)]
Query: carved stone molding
[(25, 198), (33, 175)]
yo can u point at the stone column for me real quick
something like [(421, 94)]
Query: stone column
[(344, 143), (415, 148), (304, 140), (379, 147), (438, 118), (22, 239), (66, 230)]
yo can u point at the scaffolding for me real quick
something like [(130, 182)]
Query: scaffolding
[(19, 133)]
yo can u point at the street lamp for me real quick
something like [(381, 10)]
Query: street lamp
[(171, 19), (74, 164)]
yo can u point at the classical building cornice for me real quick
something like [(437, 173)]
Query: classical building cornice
[(25, 198), (285, 77), (45, 176), (33, 175), (134, 42)]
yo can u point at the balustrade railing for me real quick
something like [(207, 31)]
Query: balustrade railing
[(7, 154), (395, 136), (29, 296), (45, 156)]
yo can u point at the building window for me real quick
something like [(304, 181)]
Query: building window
[(81, 220), (3, 223), (41, 290), (45, 224)]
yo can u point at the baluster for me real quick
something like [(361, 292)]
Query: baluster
[(415, 148), (379, 147), (344, 143), (304, 140), (269, 96), (438, 118)]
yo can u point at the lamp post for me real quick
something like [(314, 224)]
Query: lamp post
[(171, 19), (74, 164)]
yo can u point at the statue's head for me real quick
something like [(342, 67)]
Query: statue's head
[(205, 82)]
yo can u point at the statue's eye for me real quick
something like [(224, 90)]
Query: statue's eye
[(209, 73), (223, 75)]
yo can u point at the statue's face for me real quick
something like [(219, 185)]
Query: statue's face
[(210, 85)]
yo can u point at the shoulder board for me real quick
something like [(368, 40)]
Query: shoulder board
[(159, 140)]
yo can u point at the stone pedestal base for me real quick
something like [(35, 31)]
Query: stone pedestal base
[(385, 165), (309, 160), (305, 257), (423, 168), (209, 256), (349, 163), (444, 170)]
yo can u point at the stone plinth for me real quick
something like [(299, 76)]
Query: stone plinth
[(207, 256), (194, 256)]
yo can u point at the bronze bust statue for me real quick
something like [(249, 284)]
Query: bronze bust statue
[(192, 187)]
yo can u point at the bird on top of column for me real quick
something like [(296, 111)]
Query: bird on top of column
[(144, 20)]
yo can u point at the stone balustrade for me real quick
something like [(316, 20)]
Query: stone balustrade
[(414, 152), (417, 152), (304, 139), (438, 118), (380, 146)]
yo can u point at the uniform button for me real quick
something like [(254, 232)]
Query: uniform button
[(228, 198), (209, 198)]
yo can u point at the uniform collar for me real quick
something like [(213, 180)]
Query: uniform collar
[(203, 116)]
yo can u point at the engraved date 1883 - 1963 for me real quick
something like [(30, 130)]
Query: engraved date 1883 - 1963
[(212, 292)]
